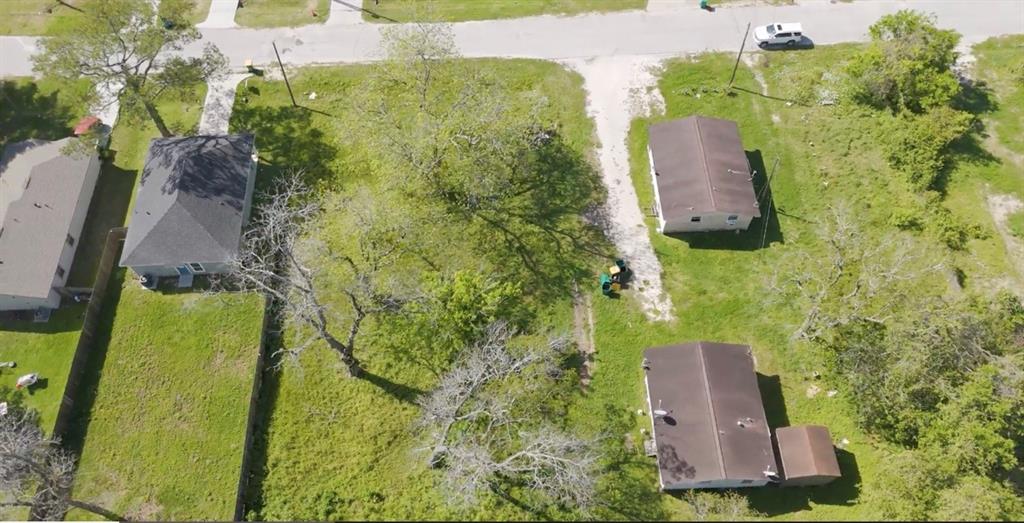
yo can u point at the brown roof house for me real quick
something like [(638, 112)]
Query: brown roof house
[(702, 180), (709, 422), (807, 456), (45, 191), (194, 198)]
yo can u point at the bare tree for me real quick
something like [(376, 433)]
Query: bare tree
[(282, 256), (857, 279), (480, 437), (35, 472)]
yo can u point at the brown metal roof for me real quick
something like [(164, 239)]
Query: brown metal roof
[(709, 390), (806, 451), (700, 167)]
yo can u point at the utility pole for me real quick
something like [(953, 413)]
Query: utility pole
[(738, 55), (281, 65)]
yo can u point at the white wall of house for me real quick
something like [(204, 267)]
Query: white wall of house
[(716, 484), (172, 271), (23, 303), (657, 195), (709, 221)]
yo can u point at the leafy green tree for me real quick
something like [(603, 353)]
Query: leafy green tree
[(908, 484), (907, 66), (979, 430), (455, 311), (124, 49), (977, 498), (918, 144)]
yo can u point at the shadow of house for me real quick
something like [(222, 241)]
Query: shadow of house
[(841, 492), (763, 231), (773, 400)]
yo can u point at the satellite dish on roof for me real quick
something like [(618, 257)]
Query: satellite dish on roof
[(660, 413)]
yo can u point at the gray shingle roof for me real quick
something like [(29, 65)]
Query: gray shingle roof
[(191, 201), (39, 191)]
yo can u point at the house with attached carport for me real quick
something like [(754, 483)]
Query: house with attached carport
[(193, 201), (45, 190)]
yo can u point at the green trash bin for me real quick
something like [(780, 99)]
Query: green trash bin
[(606, 284)]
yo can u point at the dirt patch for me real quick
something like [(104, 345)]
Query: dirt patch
[(583, 331), (1001, 206)]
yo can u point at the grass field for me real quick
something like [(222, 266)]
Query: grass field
[(161, 436), (44, 348), (463, 10), (354, 435), (48, 17), (282, 13)]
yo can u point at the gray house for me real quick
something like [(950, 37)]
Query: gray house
[(44, 198), (194, 198)]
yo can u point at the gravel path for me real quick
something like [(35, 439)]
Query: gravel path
[(1001, 206), (619, 89)]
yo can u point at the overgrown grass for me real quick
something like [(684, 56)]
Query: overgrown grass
[(337, 447), (827, 156), (999, 64), (161, 434), (282, 13), (1016, 224), (463, 10)]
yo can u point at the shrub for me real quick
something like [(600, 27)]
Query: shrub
[(907, 66), (918, 144)]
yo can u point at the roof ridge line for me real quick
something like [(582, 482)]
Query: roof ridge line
[(704, 164), (711, 410)]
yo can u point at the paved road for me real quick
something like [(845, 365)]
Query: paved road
[(667, 27)]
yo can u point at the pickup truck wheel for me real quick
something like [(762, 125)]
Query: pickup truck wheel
[(762, 45), (791, 43)]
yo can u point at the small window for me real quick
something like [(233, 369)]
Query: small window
[(70, 240), (784, 35), (797, 34), (196, 267), (732, 219), (60, 271), (746, 482), (695, 219)]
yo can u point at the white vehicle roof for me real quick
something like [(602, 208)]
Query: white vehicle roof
[(788, 27)]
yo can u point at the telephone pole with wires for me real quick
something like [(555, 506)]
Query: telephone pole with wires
[(739, 55)]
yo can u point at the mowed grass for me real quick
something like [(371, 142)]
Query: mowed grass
[(282, 13), (463, 10), (164, 432), (49, 17), (46, 348), (1000, 66), (339, 448)]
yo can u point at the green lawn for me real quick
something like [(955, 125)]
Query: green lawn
[(49, 17), (463, 10), (282, 13), (164, 426), (46, 348), (44, 109), (999, 64)]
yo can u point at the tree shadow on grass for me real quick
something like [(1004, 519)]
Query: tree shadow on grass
[(403, 393), (65, 319), (763, 231), (538, 236), (773, 501), (287, 140), (26, 113), (977, 98)]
